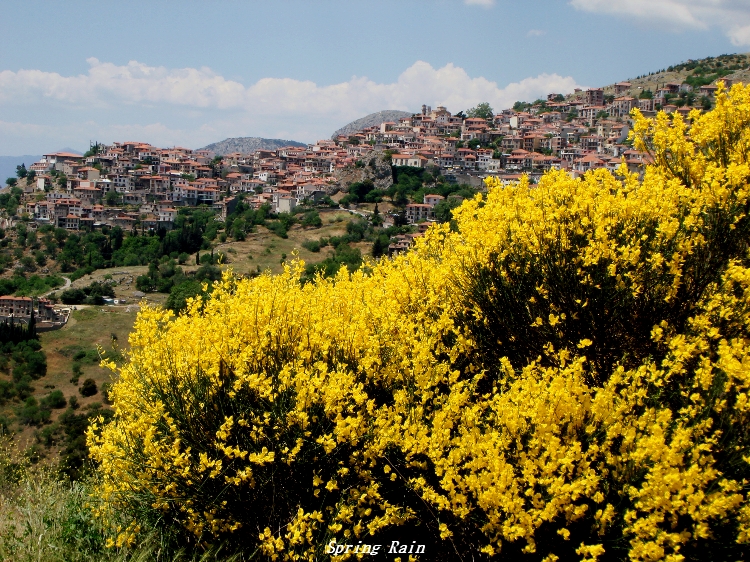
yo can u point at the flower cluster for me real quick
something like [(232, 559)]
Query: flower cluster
[(565, 374)]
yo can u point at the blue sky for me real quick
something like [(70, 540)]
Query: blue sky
[(190, 73)]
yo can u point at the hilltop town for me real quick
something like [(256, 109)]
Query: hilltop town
[(137, 185)]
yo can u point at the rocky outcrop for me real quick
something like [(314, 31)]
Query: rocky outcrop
[(370, 121), (376, 168), (246, 145)]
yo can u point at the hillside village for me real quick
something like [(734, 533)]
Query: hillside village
[(134, 185)]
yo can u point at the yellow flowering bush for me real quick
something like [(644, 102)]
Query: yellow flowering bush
[(564, 375)]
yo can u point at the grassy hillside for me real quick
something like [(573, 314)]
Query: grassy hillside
[(694, 72)]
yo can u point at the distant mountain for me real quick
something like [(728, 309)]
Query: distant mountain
[(246, 145), (371, 120), (8, 165), (70, 150)]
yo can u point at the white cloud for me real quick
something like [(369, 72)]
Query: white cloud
[(132, 83), (108, 85), (483, 3), (535, 33), (190, 106), (740, 36), (731, 16)]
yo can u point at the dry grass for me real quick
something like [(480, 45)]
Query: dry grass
[(264, 251), (87, 328), (45, 518), (48, 519)]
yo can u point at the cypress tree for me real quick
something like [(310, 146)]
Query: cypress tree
[(31, 330)]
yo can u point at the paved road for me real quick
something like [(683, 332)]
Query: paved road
[(362, 213)]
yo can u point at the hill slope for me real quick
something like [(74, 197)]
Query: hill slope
[(694, 72), (246, 145), (371, 120)]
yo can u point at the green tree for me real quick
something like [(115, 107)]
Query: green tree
[(312, 219), (482, 111), (93, 150), (31, 414), (21, 171), (400, 199), (112, 198), (444, 209), (380, 246), (54, 400), (28, 263), (216, 166), (179, 295), (88, 388)]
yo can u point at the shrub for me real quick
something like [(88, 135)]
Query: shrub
[(349, 199), (344, 255), (7, 391), (72, 296), (278, 228), (77, 372), (54, 400), (88, 387), (22, 387), (312, 245), (31, 413), (312, 219), (93, 294), (208, 259), (88, 270), (145, 283), (564, 375), (28, 360), (179, 295)]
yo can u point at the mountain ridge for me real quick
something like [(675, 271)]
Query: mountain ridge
[(247, 145), (371, 120)]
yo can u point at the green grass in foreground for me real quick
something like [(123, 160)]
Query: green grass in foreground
[(45, 517)]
